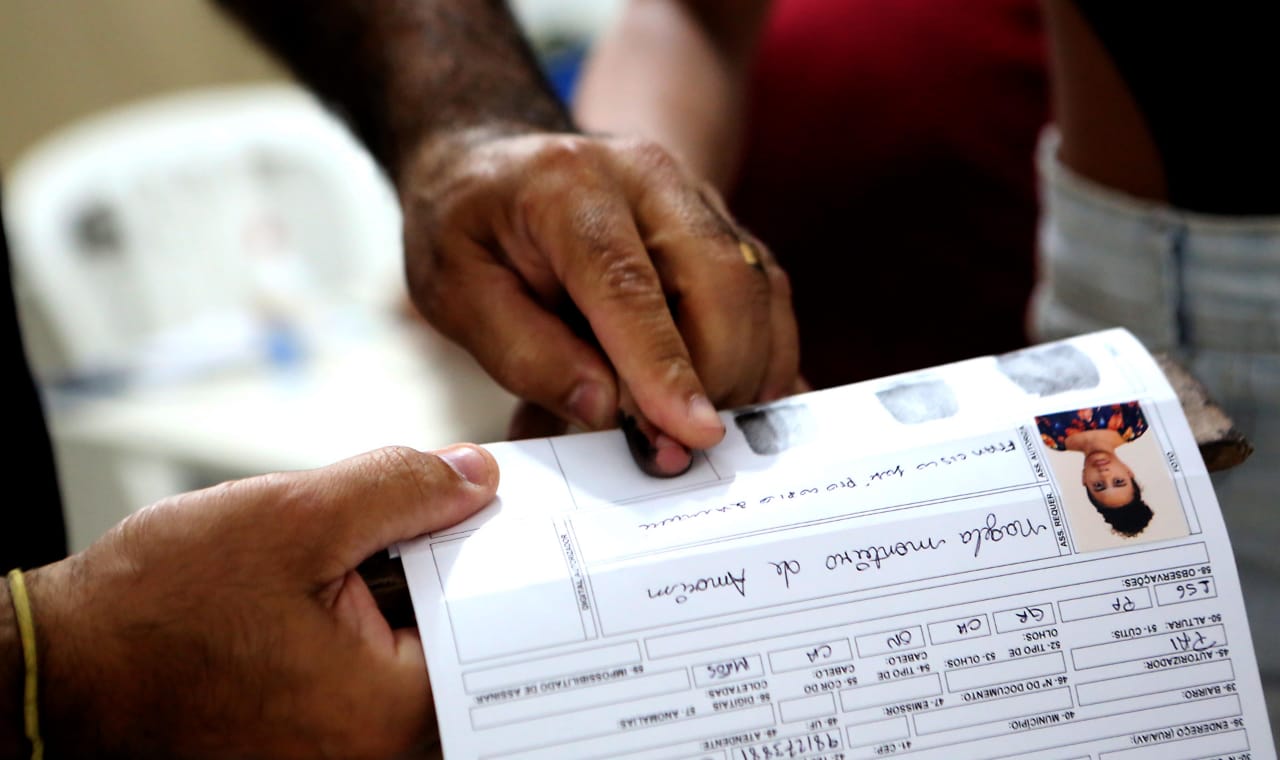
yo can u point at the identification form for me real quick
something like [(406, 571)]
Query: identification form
[(1012, 556)]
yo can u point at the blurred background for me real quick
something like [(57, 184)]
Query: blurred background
[(74, 58), (206, 264)]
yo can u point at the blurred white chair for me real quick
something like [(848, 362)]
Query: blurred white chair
[(210, 286), (182, 233)]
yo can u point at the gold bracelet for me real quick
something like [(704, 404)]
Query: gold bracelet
[(27, 630)]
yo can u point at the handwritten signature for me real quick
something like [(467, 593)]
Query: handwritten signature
[(681, 590), (994, 532)]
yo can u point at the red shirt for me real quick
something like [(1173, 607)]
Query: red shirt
[(888, 165)]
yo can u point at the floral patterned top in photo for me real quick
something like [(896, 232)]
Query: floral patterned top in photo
[(1125, 419)]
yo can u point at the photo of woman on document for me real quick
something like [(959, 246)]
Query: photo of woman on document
[(1106, 447)]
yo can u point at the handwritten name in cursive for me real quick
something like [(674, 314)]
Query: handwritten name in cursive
[(994, 531), (875, 555), (681, 590)]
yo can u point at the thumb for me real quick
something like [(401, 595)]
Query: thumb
[(396, 493)]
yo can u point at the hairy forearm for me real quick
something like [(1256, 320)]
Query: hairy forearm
[(675, 71), (405, 71)]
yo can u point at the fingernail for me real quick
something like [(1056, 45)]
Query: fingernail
[(669, 457), (703, 414), (468, 462), (588, 405)]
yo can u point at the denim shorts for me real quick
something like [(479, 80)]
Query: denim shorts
[(1206, 290)]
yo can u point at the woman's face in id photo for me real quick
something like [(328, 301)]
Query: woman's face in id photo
[(1108, 479)]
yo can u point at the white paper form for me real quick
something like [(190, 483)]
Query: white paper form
[(905, 566)]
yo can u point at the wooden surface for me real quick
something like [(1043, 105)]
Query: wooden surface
[(1221, 446)]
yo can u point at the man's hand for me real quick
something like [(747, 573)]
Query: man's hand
[(230, 622), (594, 277), (599, 280)]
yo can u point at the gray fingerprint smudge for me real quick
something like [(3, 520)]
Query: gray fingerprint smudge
[(1049, 370), (773, 430), (919, 401)]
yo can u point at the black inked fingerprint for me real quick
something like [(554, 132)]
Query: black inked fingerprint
[(774, 429), (919, 401), (1049, 370)]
